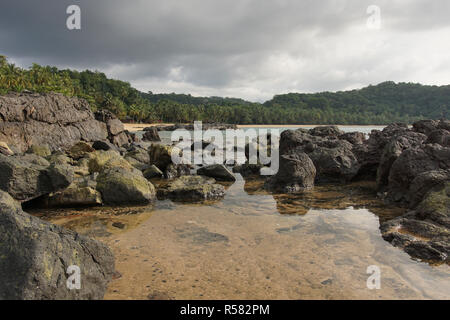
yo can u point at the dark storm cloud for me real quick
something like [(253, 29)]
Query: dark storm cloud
[(245, 48)]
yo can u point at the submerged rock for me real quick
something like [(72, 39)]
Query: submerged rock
[(124, 186), (425, 232), (35, 257), (218, 172), (192, 189)]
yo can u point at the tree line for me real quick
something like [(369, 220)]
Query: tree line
[(379, 104)]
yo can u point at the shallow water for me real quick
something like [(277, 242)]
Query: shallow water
[(254, 245)]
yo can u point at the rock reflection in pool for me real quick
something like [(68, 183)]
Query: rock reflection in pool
[(246, 247)]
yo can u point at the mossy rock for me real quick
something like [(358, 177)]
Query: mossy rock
[(80, 150), (161, 155), (40, 150), (192, 189), (59, 158), (74, 196), (436, 206), (153, 172), (102, 160), (124, 186)]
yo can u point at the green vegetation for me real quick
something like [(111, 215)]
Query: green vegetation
[(381, 104)]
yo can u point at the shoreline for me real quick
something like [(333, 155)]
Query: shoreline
[(133, 127)]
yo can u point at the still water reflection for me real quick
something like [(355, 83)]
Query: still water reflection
[(255, 245)]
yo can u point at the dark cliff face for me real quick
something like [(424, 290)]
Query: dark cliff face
[(55, 120)]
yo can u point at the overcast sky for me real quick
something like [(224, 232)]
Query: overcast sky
[(250, 49)]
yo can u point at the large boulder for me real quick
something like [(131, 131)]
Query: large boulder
[(425, 182), (161, 155), (151, 134), (101, 160), (410, 164), (124, 186), (333, 158), (296, 173), (47, 119), (116, 132), (192, 189), (393, 149), (36, 258), (29, 176), (369, 153), (218, 172)]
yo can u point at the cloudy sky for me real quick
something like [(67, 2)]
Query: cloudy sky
[(250, 49)]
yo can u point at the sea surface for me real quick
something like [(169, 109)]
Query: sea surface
[(253, 244)]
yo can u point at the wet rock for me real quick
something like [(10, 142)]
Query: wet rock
[(151, 134), (5, 150), (80, 150), (40, 150), (393, 149), (425, 232), (218, 172), (29, 176), (296, 173), (153, 172), (192, 189), (35, 257), (410, 164), (124, 186)]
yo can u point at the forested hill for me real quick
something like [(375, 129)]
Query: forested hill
[(381, 104)]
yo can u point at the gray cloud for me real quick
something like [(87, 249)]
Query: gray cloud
[(245, 48)]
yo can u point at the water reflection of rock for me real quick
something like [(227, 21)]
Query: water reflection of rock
[(358, 195)]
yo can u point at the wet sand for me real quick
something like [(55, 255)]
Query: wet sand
[(243, 247)]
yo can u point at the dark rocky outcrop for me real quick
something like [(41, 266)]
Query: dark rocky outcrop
[(151, 134), (52, 119), (410, 164), (296, 173), (35, 256), (424, 233), (393, 149)]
